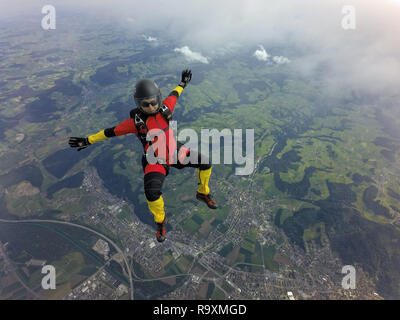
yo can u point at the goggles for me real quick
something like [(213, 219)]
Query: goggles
[(146, 104)]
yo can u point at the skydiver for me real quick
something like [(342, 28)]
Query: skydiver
[(153, 113)]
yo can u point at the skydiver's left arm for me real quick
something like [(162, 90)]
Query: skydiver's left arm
[(172, 98)]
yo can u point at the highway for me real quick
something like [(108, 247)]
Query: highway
[(88, 229)]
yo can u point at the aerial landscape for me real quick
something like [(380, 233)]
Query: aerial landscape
[(324, 192)]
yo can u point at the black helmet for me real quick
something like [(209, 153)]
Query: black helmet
[(146, 89)]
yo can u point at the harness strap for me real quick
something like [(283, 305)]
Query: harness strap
[(142, 128)]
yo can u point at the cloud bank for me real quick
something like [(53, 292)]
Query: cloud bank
[(366, 59)]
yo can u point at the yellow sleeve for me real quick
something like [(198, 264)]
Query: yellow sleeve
[(179, 90), (99, 136)]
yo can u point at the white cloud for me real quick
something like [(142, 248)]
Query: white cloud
[(261, 54), (149, 38), (191, 55), (280, 60)]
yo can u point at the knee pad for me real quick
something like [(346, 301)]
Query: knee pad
[(205, 164), (153, 182), (152, 195)]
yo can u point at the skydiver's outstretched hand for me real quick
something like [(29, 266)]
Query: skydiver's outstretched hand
[(80, 143), (186, 77)]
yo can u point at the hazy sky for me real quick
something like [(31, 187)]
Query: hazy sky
[(366, 58)]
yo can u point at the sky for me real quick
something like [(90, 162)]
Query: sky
[(364, 59)]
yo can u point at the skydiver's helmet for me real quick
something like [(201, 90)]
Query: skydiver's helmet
[(147, 89)]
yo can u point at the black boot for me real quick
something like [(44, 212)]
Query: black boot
[(207, 199)]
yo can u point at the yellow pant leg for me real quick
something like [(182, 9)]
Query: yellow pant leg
[(157, 208), (203, 177)]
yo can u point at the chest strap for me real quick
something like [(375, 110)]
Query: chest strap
[(142, 128)]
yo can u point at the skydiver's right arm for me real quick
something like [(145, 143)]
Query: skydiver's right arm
[(125, 127)]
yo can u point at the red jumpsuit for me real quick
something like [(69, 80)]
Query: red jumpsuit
[(154, 174)]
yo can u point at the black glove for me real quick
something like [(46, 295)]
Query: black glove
[(186, 77), (80, 143)]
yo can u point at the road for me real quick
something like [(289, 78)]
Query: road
[(88, 229)]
